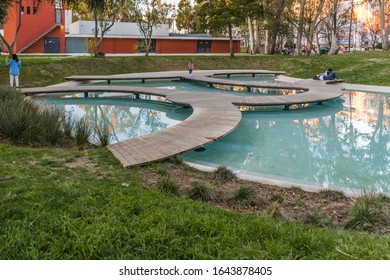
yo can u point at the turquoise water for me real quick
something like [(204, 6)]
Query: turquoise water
[(343, 144)]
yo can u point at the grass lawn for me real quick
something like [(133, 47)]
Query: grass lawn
[(68, 204)]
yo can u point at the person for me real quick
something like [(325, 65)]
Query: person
[(14, 70), (329, 75), (190, 67)]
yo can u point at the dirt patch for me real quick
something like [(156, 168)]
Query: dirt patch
[(286, 203)]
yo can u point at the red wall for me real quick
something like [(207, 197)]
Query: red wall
[(219, 46), (176, 46), (118, 45), (33, 26)]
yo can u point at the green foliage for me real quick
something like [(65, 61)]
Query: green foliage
[(166, 185), (275, 211), (245, 195), (103, 135), (367, 213), (277, 198), (319, 218), (162, 170), (224, 174), (82, 133), (22, 121), (200, 191)]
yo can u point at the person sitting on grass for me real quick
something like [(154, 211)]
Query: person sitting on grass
[(329, 75)]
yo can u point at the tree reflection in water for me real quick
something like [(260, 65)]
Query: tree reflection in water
[(343, 144), (126, 118)]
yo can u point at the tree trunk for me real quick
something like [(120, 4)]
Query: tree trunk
[(231, 40), (334, 47), (251, 41), (384, 31), (313, 26), (256, 37), (300, 27)]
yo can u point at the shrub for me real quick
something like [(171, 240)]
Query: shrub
[(22, 121), (166, 185), (245, 195), (68, 125), (332, 195), (82, 133), (277, 198), (319, 218), (222, 173), (103, 135), (162, 170), (275, 211), (201, 192), (367, 213)]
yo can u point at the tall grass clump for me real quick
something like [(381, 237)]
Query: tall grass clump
[(367, 213), (24, 122), (82, 133), (166, 185), (103, 135), (245, 195), (224, 174), (201, 192), (68, 124)]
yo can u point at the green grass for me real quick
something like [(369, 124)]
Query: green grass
[(356, 67), (73, 205), (58, 204)]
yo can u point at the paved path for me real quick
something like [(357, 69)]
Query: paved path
[(214, 114)]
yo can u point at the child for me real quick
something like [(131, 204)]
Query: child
[(190, 67), (14, 70)]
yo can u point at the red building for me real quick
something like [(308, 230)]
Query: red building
[(43, 30), (42, 27)]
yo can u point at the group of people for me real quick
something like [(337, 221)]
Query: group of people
[(328, 75)]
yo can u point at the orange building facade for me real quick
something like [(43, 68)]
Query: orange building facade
[(43, 30)]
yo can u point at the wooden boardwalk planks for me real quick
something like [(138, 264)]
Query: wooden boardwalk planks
[(214, 114)]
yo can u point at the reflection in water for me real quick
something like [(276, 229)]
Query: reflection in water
[(343, 144), (126, 118)]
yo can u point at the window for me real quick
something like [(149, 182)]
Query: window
[(28, 10), (141, 47), (204, 46), (35, 10), (22, 10)]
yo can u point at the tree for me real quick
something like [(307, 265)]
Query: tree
[(220, 15), (104, 13), (149, 14), (185, 19), (4, 6)]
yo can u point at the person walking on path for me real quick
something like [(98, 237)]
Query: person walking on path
[(14, 70), (190, 67)]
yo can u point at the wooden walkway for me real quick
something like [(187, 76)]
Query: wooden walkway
[(214, 114)]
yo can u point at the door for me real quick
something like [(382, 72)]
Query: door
[(52, 45), (204, 46)]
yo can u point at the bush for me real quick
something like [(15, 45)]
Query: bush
[(22, 121), (103, 135), (245, 195), (82, 133), (367, 213), (222, 173), (166, 185), (201, 192), (319, 218), (277, 198)]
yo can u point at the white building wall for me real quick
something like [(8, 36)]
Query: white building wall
[(120, 29)]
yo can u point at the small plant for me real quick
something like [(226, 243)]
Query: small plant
[(319, 218), (275, 211), (277, 198), (82, 133), (51, 126), (245, 195), (367, 213), (68, 125), (162, 170), (201, 192), (299, 202), (103, 135), (332, 195), (166, 185), (222, 173)]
